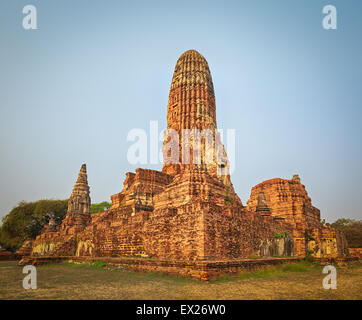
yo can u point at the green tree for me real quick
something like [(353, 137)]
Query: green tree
[(100, 207), (45, 209), (352, 229), (27, 219)]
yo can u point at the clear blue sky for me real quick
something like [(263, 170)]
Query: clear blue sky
[(71, 90)]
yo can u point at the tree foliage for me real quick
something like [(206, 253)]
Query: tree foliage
[(352, 229), (27, 219), (100, 207)]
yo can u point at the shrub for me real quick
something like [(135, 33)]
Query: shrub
[(308, 256), (227, 199), (283, 234), (308, 237)]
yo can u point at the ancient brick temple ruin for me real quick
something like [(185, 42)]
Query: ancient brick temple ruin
[(188, 218)]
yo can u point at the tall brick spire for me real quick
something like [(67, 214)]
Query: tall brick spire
[(79, 202), (191, 102), (191, 105)]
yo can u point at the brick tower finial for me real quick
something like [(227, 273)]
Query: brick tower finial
[(82, 176), (296, 178)]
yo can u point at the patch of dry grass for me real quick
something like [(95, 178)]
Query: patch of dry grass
[(66, 281)]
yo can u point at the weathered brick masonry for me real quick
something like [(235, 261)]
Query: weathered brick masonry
[(356, 252)]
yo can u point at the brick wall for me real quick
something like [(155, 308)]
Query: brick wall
[(356, 252)]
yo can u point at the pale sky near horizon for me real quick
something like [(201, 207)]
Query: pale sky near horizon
[(71, 90)]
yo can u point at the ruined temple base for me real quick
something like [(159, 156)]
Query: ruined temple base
[(7, 256), (356, 252), (340, 262), (200, 270)]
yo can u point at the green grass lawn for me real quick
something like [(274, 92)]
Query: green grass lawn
[(300, 280)]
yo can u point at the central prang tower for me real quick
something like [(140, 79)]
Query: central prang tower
[(191, 105), (191, 101)]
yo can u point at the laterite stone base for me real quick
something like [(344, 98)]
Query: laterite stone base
[(201, 270)]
